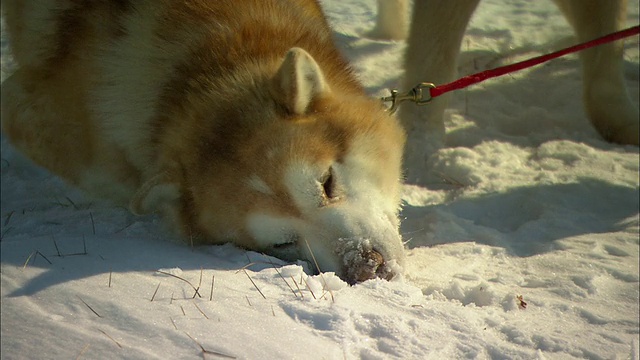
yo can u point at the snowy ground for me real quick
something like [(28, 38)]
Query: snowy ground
[(528, 201)]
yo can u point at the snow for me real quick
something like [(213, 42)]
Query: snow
[(525, 200)]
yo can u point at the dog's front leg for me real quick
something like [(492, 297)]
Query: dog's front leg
[(433, 46)]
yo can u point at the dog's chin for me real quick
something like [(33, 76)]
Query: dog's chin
[(288, 251)]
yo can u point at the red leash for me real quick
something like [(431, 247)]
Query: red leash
[(417, 94)]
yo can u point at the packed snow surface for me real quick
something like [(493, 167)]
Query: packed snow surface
[(525, 245)]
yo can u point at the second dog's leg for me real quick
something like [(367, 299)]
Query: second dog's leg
[(605, 95), (432, 51), (392, 20)]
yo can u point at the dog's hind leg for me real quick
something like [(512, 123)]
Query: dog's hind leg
[(39, 124), (46, 120), (606, 99), (433, 46)]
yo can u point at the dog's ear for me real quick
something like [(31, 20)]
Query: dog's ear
[(154, 195), (299, 81)]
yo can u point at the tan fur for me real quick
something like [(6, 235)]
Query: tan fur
[(174, 107), (45, 112)]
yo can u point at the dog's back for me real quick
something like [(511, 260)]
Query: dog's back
[(106, 74)]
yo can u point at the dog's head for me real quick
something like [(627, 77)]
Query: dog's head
[(299, 170)]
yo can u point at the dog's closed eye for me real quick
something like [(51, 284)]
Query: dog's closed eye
[(328, 185)]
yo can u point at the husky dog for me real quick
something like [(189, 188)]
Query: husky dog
[(433, 46), (237, 120)]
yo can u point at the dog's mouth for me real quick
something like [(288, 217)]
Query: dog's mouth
[(287, 250)]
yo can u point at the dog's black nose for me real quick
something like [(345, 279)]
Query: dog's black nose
[(372, 266)]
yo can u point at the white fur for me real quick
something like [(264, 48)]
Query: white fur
[(259, 185), (135, 66), (269, 230), (360, 218), (361, 214)]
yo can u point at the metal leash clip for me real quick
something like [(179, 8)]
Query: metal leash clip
[(415, 95)]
